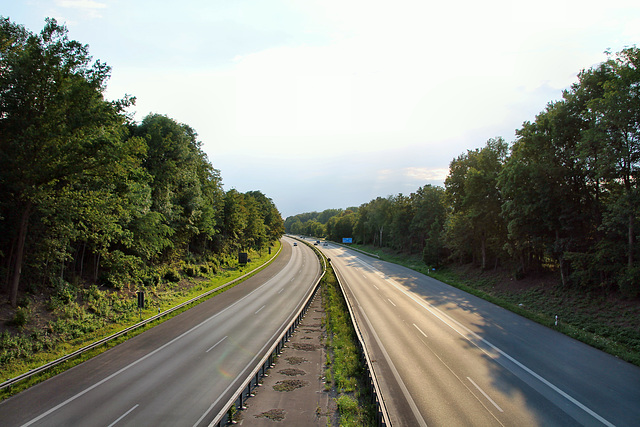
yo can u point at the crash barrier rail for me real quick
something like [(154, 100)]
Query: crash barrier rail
[(242, 393), (382, 415), (353, 248), (125, 331)]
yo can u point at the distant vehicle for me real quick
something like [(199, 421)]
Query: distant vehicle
[(317, 242), (325, 244), (295, 243)]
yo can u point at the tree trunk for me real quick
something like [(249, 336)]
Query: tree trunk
[(562, 272), (17, 268), (631, 241), (9, 259), (84, 249), (97, 267)]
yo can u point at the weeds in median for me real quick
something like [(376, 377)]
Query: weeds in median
[(344, 367)]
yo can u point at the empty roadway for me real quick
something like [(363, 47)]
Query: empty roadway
[(445, 357), (182, 371)]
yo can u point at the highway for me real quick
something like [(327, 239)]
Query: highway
[(447, 358), (182, 371)]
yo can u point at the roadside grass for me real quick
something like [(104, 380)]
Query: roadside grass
[(602, 321), (344, 367), (91, 314)]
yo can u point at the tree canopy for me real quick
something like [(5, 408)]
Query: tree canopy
[(563, 196), (87, 193)]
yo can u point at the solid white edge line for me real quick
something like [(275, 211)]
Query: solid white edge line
[(135, 362), (213, 346), (123, 415), (439, 314), (485, 394), (396, 374), (251, 363)]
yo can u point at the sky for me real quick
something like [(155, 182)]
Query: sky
[(326, 104)]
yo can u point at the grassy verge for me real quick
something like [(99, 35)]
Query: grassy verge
[(93, 314), (345, 368), (601, 321)]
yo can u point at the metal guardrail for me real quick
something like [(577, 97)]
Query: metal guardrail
[(382, 415), (253, 379), (98, 343)]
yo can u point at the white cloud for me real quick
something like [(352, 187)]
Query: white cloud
[(426, 174)]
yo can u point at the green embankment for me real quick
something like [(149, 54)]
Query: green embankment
[(599, 320), (81, 316)]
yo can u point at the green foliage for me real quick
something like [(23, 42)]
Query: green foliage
[(63, 293), (122, 270), (475, 200), (564, 196), (172, 275), (21, 317), (344, 364), (629, 283), (14, 347), (88, 195), (349, 410), (88, 314), (191, 270)]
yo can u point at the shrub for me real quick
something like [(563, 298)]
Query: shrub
[(122, 269), (172, 275), (190, 271), (21, 317), (629, 282), (151, 279)]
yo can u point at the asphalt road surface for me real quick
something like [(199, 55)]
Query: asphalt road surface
[(447, 358), (181, 372)]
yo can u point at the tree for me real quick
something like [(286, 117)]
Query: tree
[(55, 125), (341, 225), (295, 227), (270, 215), (379, 218), (610, 94), (472, 192), (426, 228), (234, 221), (402, 213), (547, 205), (619, 110)]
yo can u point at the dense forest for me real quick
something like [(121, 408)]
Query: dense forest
[(89, 195), (564, 196)]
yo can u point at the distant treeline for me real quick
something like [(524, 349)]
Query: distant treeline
[(564, 195), (86, 193)]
